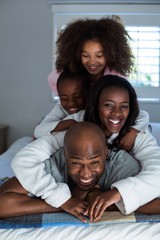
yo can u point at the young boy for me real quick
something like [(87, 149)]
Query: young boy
[(72, 91)]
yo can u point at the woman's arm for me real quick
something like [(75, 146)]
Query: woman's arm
[(29, 168), (144, 187), (142, 121), (152, 207)]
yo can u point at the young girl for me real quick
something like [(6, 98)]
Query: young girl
[(101, 47), (73, 88)]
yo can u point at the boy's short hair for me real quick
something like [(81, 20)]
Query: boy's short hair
[(81, 76)]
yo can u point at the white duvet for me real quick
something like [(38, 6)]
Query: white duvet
[(122, 231)]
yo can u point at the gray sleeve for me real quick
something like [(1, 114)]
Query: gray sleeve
[(121, 165)]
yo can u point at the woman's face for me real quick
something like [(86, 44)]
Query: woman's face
[(93, 59), (113, 109)]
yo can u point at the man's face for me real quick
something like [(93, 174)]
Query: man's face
[(85, 162)]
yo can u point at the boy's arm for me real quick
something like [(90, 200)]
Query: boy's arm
[(28, 166), (64, 125), (68, 121), (51, 120)]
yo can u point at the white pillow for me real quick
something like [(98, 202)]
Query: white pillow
[(7, 156)]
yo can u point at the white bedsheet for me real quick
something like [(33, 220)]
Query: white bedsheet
[(122, 231)]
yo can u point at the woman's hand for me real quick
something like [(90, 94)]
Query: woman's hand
[(127, 142)]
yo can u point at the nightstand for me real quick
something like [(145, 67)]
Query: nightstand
[(3, 137)]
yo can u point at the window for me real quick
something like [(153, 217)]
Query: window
[(146, 48), (143, 24)]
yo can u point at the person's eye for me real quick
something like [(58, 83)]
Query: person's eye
[(63, 98), (95, 163), (75, 163), (108, 105), (77, 96), (99, 56), (85, 55), (125, 107)]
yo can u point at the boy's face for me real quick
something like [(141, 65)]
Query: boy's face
[(113, 109), (72, 95), (85, 160)]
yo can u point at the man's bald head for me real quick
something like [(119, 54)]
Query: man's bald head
[(83, 131)]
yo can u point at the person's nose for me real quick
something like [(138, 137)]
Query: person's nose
[(92, 59), (71, 103), (117, 110), (86, 172)]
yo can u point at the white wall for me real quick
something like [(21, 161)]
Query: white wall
[(25, 62)]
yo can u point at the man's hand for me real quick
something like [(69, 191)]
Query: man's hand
[(99, 201), (76, 207)]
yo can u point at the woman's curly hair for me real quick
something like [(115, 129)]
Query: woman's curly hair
[(110, 32)]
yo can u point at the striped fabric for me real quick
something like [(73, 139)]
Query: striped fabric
[(65, 219)]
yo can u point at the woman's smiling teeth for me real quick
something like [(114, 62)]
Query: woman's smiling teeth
[(114, 121)]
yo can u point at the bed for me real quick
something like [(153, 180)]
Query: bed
[(63, 226)]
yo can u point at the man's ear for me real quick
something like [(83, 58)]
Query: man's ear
[(107, 152), (64, 152)]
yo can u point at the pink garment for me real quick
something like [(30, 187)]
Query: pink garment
[(53, 76), (107, 71), (52, 81)]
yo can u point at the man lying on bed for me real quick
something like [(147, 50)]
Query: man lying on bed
[(82, 182)]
